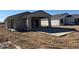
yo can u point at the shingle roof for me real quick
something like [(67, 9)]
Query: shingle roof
[(75, 15), (39, 13), (20, 14), (58, 16)]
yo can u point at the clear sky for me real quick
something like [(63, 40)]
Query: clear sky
[(6, 13)]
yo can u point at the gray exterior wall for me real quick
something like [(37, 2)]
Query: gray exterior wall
[(17, 23), (70, 21), (20, 24)]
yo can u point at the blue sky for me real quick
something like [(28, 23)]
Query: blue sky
[(6, 13)]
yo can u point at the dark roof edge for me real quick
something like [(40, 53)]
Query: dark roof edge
[(18, 14), (40, 11)]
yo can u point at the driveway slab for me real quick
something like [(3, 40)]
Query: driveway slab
[(55, 31), (58, 34)]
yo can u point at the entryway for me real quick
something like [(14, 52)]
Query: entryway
[(35, 22)]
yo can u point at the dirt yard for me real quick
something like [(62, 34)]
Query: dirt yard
[(36, 40)]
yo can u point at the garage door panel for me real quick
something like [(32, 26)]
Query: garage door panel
[(44, 23), (55, 22)]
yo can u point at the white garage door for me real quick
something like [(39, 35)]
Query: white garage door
[(55, 22), (44, 22)]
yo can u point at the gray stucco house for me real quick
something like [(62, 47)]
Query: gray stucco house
[(27, 20)]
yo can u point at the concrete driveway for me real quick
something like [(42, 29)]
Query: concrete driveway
[(55, 31)]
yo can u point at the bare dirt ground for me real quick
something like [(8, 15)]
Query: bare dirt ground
[(36, 40)]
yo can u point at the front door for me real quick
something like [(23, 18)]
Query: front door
[(35, 23)]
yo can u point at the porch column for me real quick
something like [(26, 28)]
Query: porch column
[(40, 23), (64, 21), (6, 25), (49, 22), (29, 27)]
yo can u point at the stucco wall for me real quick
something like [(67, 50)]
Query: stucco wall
[(70, 20), (20, 24)]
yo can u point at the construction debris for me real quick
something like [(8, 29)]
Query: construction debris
[(8, 45)]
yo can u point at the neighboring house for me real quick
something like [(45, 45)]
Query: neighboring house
[(70, 20), (63, 19), (26, 21), (76, 19), (58, 19)]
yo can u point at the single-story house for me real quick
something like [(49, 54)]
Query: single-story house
[(27, 20), (72, 19)]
